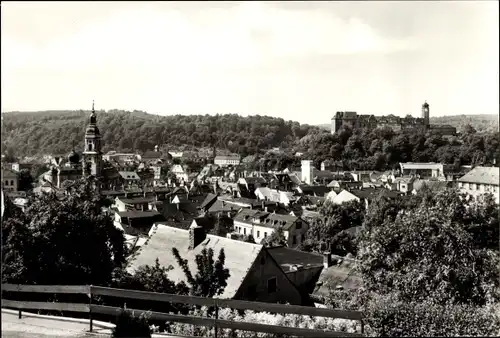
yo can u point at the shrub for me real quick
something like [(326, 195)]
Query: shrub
[(128, 325), (299, 321)]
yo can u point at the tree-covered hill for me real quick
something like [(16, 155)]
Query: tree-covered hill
[(53, 132), (483, 123)]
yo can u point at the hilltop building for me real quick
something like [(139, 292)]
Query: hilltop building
[(396, 123)]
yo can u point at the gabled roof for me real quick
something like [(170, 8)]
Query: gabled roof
[(343, 274), (151, 155), (240, 256), (208, 201), (267, 219), (318, 190), (286, 257), (482, 175), (136, 200), (227, 158), (138, 214), (129, 175)]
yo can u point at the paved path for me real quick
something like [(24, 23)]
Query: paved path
[(31, 327), (36, 327)]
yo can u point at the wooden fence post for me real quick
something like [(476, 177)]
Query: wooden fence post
[(216, 317), (90, 308)]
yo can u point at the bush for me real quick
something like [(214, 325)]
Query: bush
[(128, 326), (392, 318), (299, 321), (388, 315)]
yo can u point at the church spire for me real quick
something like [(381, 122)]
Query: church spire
[(93, 110)]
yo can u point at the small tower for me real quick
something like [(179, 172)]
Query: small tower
[(92, 154), (425, 114), (307, 171)]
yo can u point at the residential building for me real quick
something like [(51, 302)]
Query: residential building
[(129, 179), (480, 181), (365, 196), (136, 223), (302, 268), (261, 224), (422, 170), (338, 273), (181, 172), (17, 167), (226, 160), (10, 180), (254, 274)]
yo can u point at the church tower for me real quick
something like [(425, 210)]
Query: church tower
[(92, 155), (425, 114)]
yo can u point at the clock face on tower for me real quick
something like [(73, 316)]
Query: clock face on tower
[(426, 110)]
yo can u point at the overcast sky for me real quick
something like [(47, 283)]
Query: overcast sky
[(296, 60)]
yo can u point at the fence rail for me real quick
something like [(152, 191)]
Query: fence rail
[(191, 300)]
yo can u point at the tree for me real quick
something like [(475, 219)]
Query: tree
[(277, 238), (429, 252), (25, 180), (71, 240), (211, 277), (334, 225)]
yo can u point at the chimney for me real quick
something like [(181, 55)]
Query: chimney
[(196, 236), (263, 205), (327, 260), (144, 193), (265, 209)]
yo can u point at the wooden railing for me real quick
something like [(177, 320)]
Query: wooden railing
[(216, 303)]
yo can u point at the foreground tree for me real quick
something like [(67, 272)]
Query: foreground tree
[(335, 227), (211, 277), (431, 252), (71, 240)]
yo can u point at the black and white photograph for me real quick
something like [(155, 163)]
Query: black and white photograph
[(243, 169)]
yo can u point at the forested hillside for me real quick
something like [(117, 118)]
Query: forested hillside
[(31, 133), (481, 123)]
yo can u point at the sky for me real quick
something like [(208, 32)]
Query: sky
[(300, 61)]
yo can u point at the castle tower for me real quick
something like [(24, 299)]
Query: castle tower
[(307, 172), (425, 114), (92, 154)]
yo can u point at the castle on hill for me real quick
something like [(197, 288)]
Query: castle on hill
[(355, 121)]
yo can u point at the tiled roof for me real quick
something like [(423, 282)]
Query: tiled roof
[(137, 200), (208, 200), (338, 275), (482, 175), (421, 165), (240, 256), (138, 214), (283, 255), (227, 158), (267, 219), (151, 155), (129, 175)]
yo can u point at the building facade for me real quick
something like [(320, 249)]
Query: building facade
[(355, 121), (480, 181)]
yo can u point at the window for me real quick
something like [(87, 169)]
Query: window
[(265, 234), (11, 182), (244, 231), (271, 285), (6, 182), (298, 225), (294, 240), (258, 233), (303, 237)]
